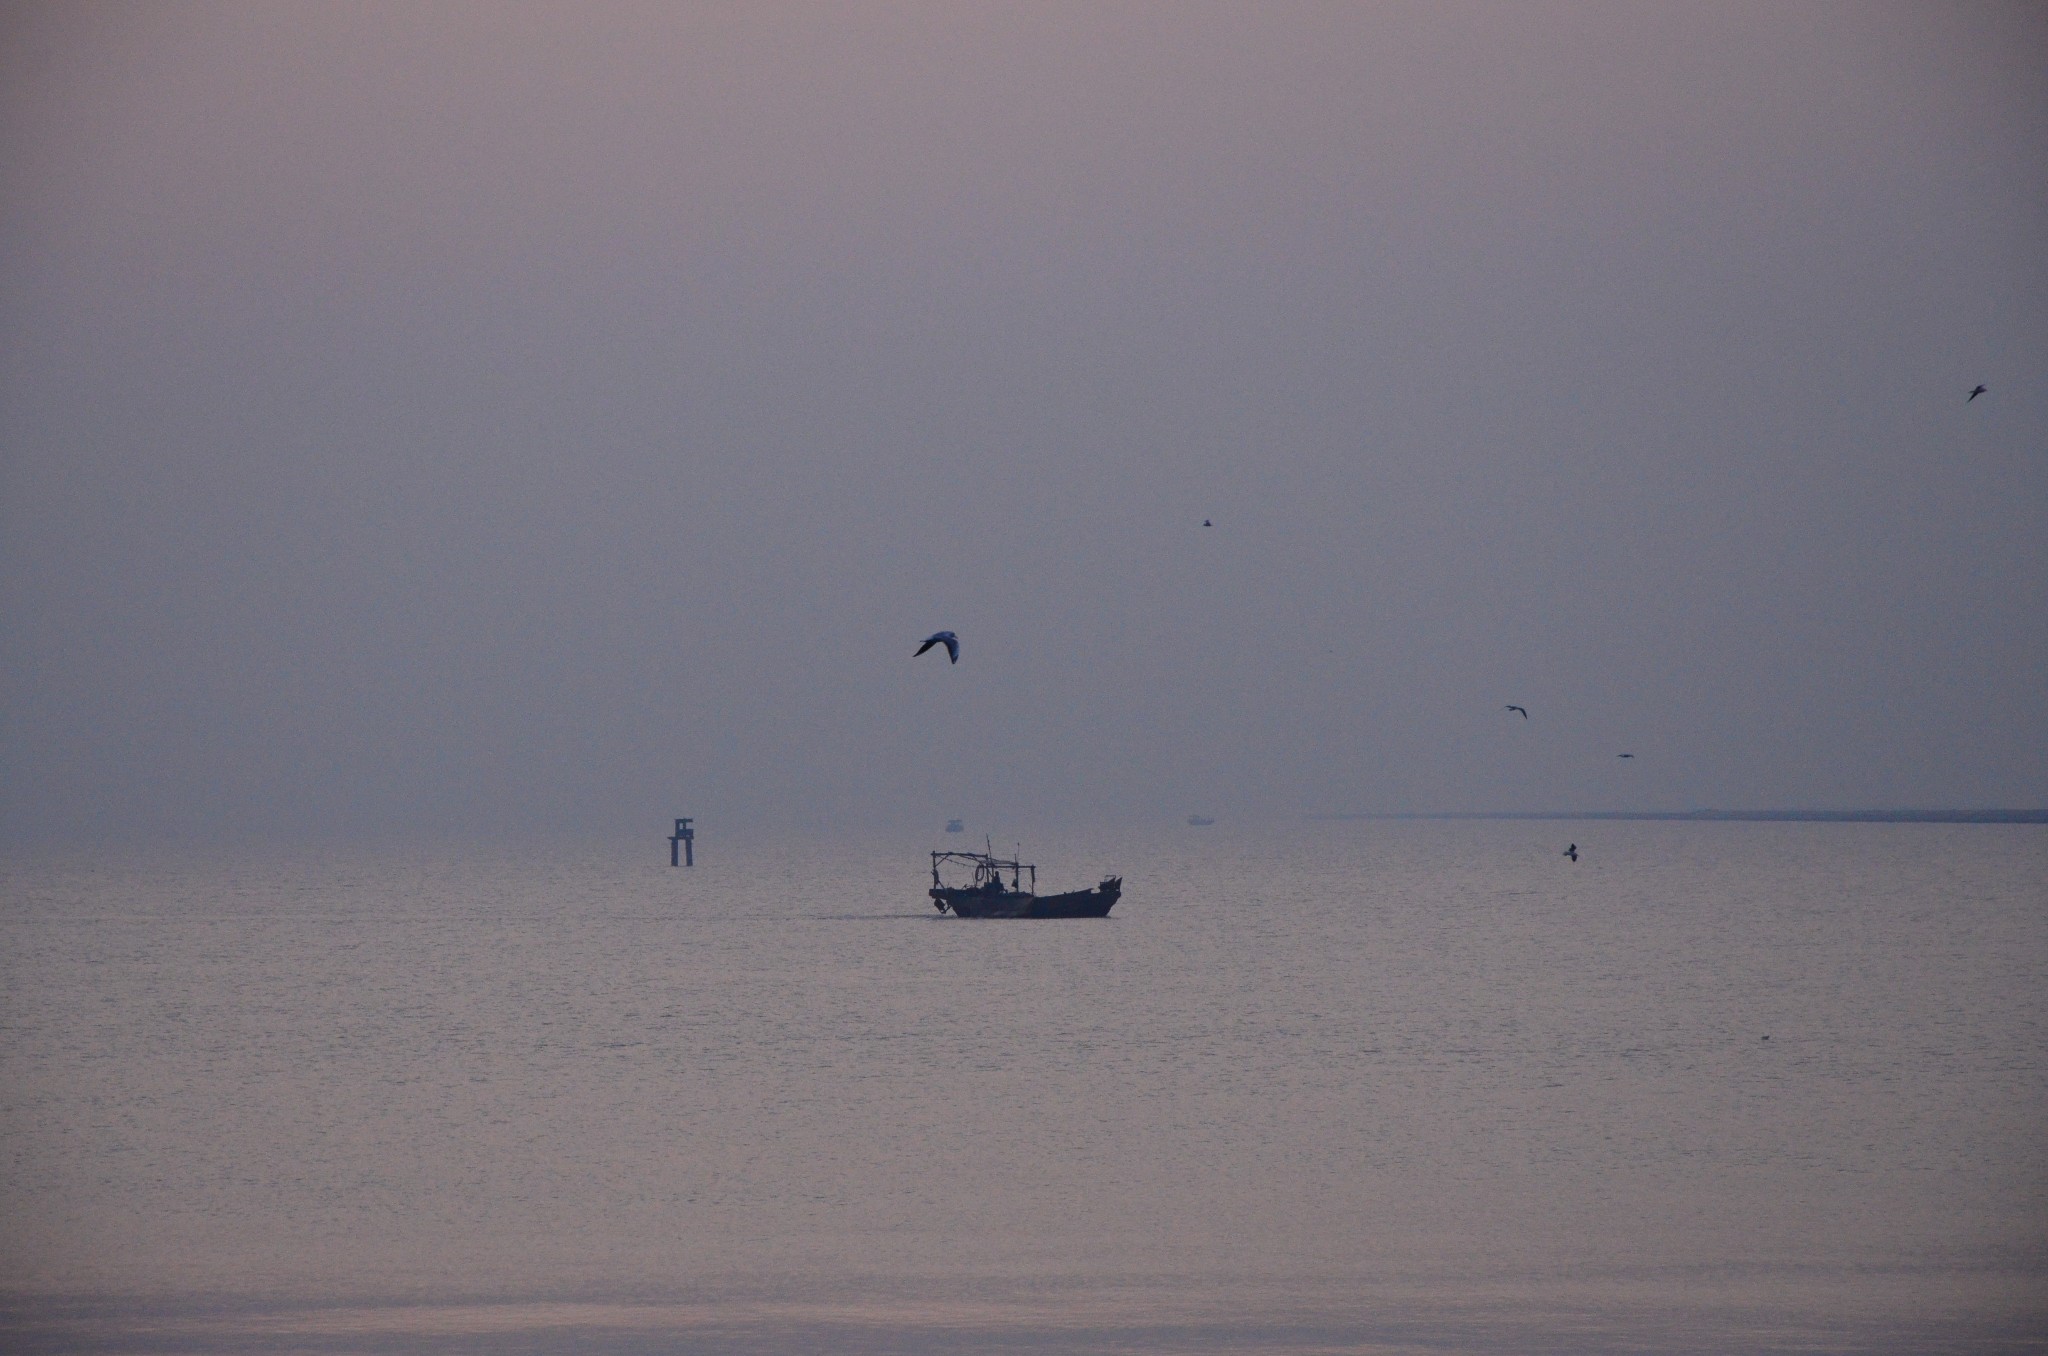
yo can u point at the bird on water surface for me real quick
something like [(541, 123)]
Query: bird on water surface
[(1974, 394), (945, 638), (1512, 707)]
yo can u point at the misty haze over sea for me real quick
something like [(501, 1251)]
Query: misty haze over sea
[(488, 421), (1364, 452)]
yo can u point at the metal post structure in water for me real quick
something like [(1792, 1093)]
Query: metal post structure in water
[(681, 846)]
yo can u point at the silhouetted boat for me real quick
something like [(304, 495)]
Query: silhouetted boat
[(987, 897), (954, 826), (1199, 821)]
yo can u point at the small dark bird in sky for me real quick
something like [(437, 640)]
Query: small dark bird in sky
[(945, 638), (1974, 394), (1513, 707), (1572, 852), (1624, 755)]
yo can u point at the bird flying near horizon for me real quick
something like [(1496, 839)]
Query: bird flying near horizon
[(1624, 755), (1512, 707), (945, 638), (1572, 852), (1974, 394)]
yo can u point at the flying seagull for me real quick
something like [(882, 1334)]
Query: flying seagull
[(1624, 755), (1572, 852), (1974, 394), (1513, 707), (945, 638)]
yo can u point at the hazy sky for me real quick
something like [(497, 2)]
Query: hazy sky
[(480, 417)]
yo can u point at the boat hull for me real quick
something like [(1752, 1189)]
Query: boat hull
[(984, 903)]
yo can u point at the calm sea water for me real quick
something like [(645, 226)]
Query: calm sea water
[(1322, 1087)]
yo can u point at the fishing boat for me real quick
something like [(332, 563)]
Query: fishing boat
[(984, 895), (955, 826), (1199, 821)]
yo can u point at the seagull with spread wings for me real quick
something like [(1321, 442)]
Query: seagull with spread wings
[(945, 638)]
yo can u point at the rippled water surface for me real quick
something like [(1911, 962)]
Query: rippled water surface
[(1335, 1086)]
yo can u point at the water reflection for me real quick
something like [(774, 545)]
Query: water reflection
[(1345, 1085)]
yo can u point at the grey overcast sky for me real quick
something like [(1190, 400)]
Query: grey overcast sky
[(496, 417)]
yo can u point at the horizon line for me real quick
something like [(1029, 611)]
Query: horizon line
[(1992, 816)]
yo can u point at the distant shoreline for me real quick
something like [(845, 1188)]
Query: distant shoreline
[(1742, 816)]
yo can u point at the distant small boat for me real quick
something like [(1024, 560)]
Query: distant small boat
[(954, 826), (1199, 821), (985, 896)]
